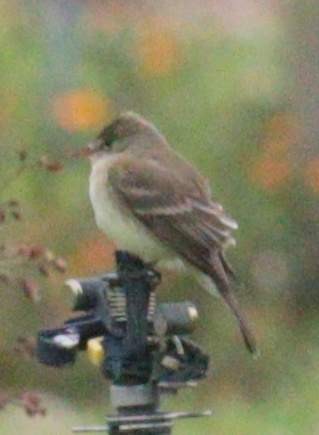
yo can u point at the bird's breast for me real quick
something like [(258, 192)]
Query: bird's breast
[(118, 222)]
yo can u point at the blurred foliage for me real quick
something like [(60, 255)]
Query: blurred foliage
[(217, 86)]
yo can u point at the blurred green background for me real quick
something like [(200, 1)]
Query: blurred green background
[(234, 87)]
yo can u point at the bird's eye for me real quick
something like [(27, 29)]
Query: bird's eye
[(105, 143), (107, 137)]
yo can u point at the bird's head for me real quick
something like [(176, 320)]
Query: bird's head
[(121, 133)]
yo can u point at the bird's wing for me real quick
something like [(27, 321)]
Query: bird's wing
[(177, 210)]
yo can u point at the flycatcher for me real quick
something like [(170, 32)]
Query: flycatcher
[(153, 203)]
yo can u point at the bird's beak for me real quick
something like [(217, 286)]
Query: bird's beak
[(93, 147), (85, 152)]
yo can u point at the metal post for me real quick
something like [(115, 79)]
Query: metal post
[(146, 351), (133, 393)]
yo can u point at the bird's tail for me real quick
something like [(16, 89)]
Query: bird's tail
[(219, 276), (245, 329)]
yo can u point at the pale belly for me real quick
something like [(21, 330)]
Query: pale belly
[(130, 235), (120, 227)]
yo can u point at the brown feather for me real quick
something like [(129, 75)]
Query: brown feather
[(176, 207)]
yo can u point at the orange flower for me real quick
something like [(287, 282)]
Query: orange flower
[(281, 132), (276, 146), (81, 109), (312, 174), (270, 173), (283, 125), (157, 51)]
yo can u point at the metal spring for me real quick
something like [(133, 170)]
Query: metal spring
[(117, 304)]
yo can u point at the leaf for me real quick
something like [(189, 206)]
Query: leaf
[(22, 154), (16, 215), (4, 278), (31, 289), (60, 264), (2, 216), (43, 269), (24, 250), (32, 404), (4, 399), (36, 251), (26, 346), (50, 165), (13, 203)]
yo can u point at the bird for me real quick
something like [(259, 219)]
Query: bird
[(152, 202)]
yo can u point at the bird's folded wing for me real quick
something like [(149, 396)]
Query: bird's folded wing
[(177, 210)]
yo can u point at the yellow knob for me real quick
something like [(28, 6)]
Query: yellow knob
[(95, 350)]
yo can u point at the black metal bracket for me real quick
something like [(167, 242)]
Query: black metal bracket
[(147, 351)]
